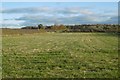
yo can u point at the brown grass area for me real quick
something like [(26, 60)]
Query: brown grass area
[(20, 31)]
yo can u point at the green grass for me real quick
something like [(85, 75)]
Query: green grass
[(60, 55)]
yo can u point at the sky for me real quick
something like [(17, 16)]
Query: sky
[(19, 14), (60, 0)]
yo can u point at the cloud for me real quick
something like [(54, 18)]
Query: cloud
[(112, 20), (25, 10), (12, 23), (48, 10), (60, 15), (78, 19)]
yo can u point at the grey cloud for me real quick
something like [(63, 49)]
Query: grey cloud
[(32, 20), (25, 10), (49, 10), (66, 15), (10, 25), (112, 20), (35, 20)]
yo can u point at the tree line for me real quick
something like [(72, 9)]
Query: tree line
[(77, 28)]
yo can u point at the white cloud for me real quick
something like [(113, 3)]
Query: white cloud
[(61, 15), (12, 23), (49, 10)]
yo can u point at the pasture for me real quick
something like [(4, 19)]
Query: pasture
[(60, 55)]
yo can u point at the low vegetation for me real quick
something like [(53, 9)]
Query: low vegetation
[(60, 55), (77, 28)]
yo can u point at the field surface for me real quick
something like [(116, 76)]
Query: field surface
[(60, 55)]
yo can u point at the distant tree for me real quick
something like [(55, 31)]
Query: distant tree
[(59, 28), (40, 26)]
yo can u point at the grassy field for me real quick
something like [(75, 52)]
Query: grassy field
[(60, 55)]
